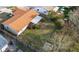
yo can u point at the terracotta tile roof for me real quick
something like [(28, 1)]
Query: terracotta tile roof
[(18, 13), (21, 19)]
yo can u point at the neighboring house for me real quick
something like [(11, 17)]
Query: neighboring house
[(5, 13), (56, 9), (40, 10), (36, 19), (49, 8), (23, 7), (21, 20), (3, 44), (4, 16), (6, 10), (45, 9)]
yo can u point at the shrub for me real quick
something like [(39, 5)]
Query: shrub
[(58, 25), (36, 27)]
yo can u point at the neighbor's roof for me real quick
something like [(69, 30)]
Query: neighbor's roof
[(36, 19), (5, 10), (3, 42), (49, 8), (18, 13), (21, 19)]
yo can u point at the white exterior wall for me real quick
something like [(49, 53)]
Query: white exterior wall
[(56, 9), (41, 10), (13, 31), (22, 30), (7, 27)]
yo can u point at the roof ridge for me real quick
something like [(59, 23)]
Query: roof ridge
[(23, 16), (19, 17), (15, 17)]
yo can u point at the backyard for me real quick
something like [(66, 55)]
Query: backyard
[(52, 35), (36, 37)]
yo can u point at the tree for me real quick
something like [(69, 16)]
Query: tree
[(66, 9)]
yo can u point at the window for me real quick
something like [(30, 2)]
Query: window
[(44, 11), (37, 9), (7, 28)]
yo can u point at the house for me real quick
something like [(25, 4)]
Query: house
[(36, 19), (5, 13), (21, 20), (40, 10), (4, 16), (23, 7), (56, 9), (48, 8), (6, 10), (3, 44), (45, 9)]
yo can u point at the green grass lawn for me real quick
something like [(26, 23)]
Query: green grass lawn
[(36, 37), (62, 39)]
